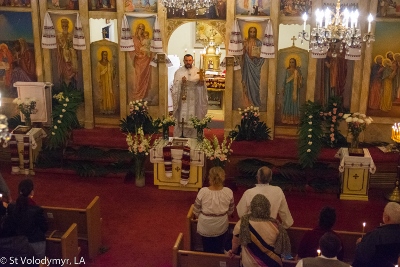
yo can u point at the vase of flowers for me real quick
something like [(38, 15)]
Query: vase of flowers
[(356, 124), (217, 152), (26, 107), (200, 125), (139, 146), (164, 124)]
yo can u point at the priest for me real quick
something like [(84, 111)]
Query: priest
[(189, 97)]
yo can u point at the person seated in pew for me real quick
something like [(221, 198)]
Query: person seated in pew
[(261, 237), (29, 218), (11, 244), (381, 247), (4, 190), (212, 207), (310, 242), (273, 193), (330, 245)]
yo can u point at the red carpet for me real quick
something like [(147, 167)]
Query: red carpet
[(140, 225)]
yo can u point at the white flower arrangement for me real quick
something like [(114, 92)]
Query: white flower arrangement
[(26, 106), (164, 122), (138, 144), (217, 152), (138, 106), (198, 124), (249, 112), (357, 123)]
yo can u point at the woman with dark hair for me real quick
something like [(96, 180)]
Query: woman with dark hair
[(29, 218), (212, 206), (310, 241), (261, 237)]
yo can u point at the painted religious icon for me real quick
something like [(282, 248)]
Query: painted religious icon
[(63, 4), (388, 8), (295, 7), (253, 7), (17, 56), (291, 84), (140, 6), (215, 11), (139, 72), (103, 5), (203, 33), (344, 4), (66, 61), (384, 87), (15, 3), (250, 88), (104, 60)]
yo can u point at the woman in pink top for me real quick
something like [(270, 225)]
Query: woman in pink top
[(213, 205)]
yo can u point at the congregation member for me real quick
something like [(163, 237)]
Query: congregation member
[(330, 245), (273, 193), (212, 207), (309, 244), (4, 190), (381, 247), (29, 218), (262, 238)]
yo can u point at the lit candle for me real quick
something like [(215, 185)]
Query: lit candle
[(319, 252), (327, 17), (363, 227), (370, 19), (356, 14), (305, 20)]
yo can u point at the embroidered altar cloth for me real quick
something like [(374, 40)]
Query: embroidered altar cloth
[(196, 154), (347, 161)]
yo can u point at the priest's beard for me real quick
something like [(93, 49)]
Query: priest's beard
[(188, 66)]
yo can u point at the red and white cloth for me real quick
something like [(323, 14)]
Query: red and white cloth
[(78, 41), (49, 33), (268, 45)]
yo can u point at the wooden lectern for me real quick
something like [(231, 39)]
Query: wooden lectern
[(355, 172)]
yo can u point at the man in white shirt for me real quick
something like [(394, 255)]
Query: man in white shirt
[(273, 193), (329, 245)]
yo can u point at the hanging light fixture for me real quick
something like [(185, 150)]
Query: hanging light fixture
[(338, 31), (4, 134), (186, 5)]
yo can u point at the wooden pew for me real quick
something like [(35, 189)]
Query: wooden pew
[(295, 234), (188, 258), (88, 221), (65, 247)]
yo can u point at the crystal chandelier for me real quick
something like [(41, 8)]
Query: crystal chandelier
[(338, 31), (4, 134), (186, 5)]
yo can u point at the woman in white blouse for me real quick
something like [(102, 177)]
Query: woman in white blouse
[(213, 205)]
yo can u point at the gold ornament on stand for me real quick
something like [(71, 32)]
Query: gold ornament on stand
[(395, 194)]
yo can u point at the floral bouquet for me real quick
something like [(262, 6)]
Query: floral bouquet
[(250, 128), (139, 146), (331, 119), (356, 124), (217, 152), (200, 125), (26, 107), (138, 117), (164, 124)]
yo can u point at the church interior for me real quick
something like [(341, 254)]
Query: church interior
[(306, 71)]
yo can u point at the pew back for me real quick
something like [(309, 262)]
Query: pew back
[(65, 247), (295, 234), (88, 222), (187, 258)]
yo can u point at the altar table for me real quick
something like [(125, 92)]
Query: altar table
[(355, 172), (197, 165)]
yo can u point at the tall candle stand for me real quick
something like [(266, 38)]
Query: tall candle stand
[(395, 194)]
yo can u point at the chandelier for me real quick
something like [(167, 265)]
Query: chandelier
[(4, 134), (338, 31), (186, 5)]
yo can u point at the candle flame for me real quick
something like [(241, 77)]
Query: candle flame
[(364, 224)]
